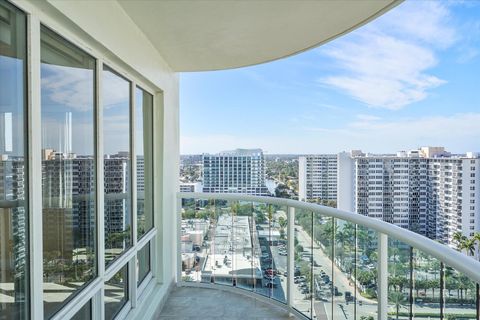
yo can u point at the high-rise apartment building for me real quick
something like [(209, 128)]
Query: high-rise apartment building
[(13, 219), (427, 191), (237, 171), (317, 177), (453, 202)]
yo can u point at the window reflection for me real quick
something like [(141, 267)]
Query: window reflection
[(117, 181), (116, 293), (13, 169), (68, 169), (143, 263), (144, 154)]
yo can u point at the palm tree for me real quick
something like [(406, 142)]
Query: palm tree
[(282, 222), (476, 238), (469, 246), (234, 207), (398, 299), (458, 239)]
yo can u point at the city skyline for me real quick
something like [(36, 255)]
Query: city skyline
[(413, 85)]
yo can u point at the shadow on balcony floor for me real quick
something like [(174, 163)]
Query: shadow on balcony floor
[(199, 303)]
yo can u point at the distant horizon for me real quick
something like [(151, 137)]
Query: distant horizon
[(307, 153), (408, 78)]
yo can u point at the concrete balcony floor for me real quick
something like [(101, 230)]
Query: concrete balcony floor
[(200, 303)]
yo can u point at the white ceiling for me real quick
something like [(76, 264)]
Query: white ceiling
[(196, 35)]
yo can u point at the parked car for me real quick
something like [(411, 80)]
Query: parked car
[(348, 296), (271, 272)]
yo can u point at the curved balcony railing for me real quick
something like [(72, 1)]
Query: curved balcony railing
[(321, 263)]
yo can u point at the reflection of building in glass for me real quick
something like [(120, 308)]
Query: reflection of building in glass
[(116, 186), (68, 198), (140, 187), (140, 174), (6, 133), (13, 224), (237, 171), (67, 134), (58, 198)]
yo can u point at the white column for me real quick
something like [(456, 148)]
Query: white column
[(133, 162), (382, 281), (98, 300), (291, 254), (35, 217), (132, 277)]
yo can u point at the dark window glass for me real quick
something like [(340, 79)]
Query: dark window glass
[(85, 313), (116, 293), (13, 166), (143, 263), (116, 164), (68, 170), (144, 154)]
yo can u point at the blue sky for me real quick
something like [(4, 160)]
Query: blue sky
[(410, 78)]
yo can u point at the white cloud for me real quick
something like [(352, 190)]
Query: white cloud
[(115, 90), (72, 87), (386, 63), (367, 117)]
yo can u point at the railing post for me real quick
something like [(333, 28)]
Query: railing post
[(179, 242), (291, 255), (382, 281)]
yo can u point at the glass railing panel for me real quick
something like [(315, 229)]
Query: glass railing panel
[(323, 232), (345, 253), (366, 275), (245, 245), (263, 256), (195, 230), (243, 260), (399, 279), (222, 247), (459, 294), (277, 278), (268, 235), (302, 300), (426, 273)]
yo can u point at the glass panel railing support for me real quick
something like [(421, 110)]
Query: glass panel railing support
[(411, 283), (478, 301), (179, 240), (291, 254), (382, 288), (319, 265), (442, 285)]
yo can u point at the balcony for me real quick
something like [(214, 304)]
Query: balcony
[(89, 139), (205, 303), (317, 262)]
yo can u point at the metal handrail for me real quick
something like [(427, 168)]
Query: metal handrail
[(457, 260)]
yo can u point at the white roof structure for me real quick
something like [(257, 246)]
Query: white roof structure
[(210, 35)]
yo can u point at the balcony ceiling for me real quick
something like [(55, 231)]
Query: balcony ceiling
[(210, 35)]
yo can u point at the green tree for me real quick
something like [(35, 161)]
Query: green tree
[(299, 248), (398, 299)]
